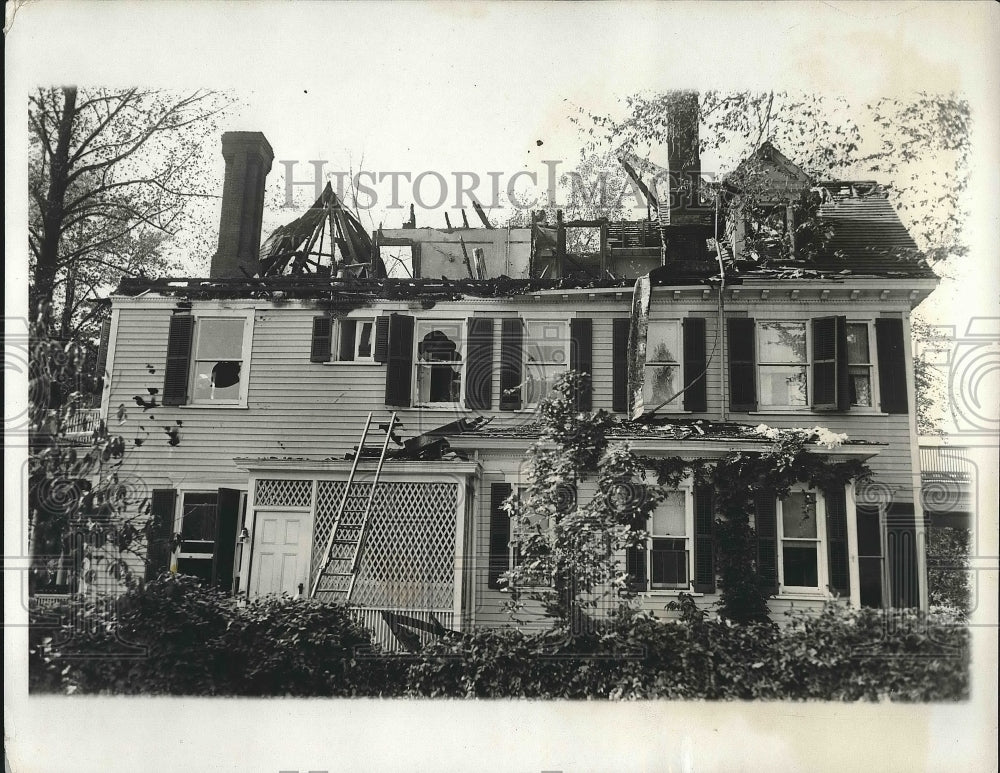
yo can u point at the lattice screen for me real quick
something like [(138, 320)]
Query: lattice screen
[(283, 493), (408, 560)]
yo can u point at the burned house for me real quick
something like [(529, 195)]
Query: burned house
[(353, 436)]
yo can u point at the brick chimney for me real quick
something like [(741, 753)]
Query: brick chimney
[(248, 160), (683, 156)]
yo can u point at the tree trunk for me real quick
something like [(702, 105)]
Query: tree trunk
[(55, 202)]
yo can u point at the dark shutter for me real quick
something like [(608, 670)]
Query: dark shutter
[(831, 389), (742, 364), (479, 364), (400, 358), (891, 364), (162, 505), (227, 520), (581, 359), (322, 339), (704, 522), (836, 540), (102, 351), (766, 526), (499, 534), (348, 330), (511, 363), (175, 379), (381, 351), (901, 534), (870, 580), (635, 567), (695, 392), (619, 364)]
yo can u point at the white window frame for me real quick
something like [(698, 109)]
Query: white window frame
[(677, 404), (807, 324), (686, 488), (822, 570), (417, 337), (872, 366), (527, 365), (359, 323), (247, 315)]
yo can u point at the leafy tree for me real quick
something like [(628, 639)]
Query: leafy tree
[(110, 175), (917, 148), (568, 550), (86, 516)]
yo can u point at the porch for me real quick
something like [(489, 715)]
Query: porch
[(413, 577)]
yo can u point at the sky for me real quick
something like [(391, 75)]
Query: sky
[(473, 87)]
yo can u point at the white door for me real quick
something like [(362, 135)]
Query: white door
[(280, 560)]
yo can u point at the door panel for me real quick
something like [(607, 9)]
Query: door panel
[(280, 553)]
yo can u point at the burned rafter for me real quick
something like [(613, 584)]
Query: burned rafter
[(298, 247)]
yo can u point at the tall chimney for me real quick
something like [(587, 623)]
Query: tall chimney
[(248, 160), (683, 156)]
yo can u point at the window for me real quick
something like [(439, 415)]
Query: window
[(538, 524), (768, 231), (364, 339), (438, 361), (859, 364), (197, 530), (664, 562), (218, 360), (668, 543), (802, 561), (662, 381), (783, 362), (546, 356)]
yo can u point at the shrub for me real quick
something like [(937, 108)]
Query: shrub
[(282, 646), (175, 636)]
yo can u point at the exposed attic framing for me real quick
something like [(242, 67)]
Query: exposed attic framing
[(326, 240)]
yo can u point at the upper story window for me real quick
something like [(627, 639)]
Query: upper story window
[(218, 360), (859, 363), (662, 384), (783, 364), (208, 359), (438, 364), (546, 357)]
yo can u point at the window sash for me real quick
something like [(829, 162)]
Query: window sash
[(793, 564), (360, 339), (546, 342), (200, 387), (860, 369), (663, 342)]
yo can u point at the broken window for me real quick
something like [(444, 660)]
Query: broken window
[(546, 357), (439, 361), (768, 231), (662, 385), (218, 359), (782, 364)]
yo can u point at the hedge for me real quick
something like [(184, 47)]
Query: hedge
[(175, 637)]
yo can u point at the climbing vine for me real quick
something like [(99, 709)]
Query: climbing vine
[(568, 552)]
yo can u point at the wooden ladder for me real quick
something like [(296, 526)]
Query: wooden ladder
[(339, 566)]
